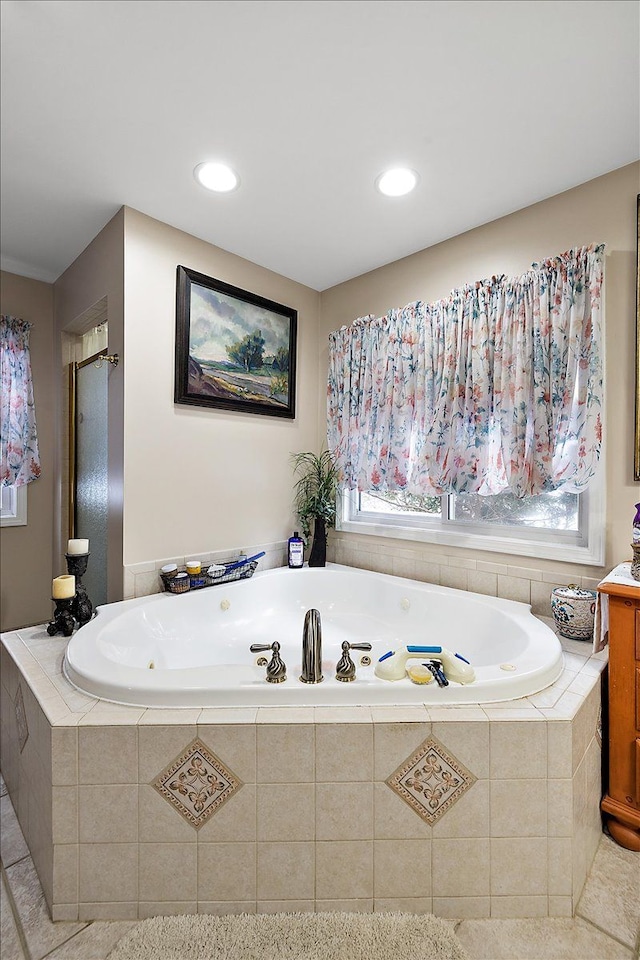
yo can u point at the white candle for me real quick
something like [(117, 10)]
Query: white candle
[(77, 546), (63, 587)]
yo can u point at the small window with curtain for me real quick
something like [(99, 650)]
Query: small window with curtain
[(20, 459), (476, 421)]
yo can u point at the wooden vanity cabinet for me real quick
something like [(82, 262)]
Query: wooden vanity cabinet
[(621, 802)]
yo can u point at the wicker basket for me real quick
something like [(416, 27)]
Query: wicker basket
[(200, 580)]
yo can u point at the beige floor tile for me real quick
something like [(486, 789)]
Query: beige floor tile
[(12, 843), (94, 942), (41, 934), (506, 908), (11, 946), (611, 897), (537, 939)]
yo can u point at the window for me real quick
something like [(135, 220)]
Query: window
[(560, 526), (13, 506)]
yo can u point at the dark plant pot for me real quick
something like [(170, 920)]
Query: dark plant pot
[(318, 555)]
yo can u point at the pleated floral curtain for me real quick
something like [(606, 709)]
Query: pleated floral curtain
[(18, 433), (497, 387)]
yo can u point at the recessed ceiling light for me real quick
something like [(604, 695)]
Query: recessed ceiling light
[(397, 182), (216, 176)]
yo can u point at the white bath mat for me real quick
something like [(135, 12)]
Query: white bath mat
[(292, 936)]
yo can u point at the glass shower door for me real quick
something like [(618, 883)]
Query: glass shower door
[(91, 470)]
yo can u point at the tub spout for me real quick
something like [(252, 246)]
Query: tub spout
[(312, 648)]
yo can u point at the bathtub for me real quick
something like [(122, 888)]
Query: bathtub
[(190, 650)]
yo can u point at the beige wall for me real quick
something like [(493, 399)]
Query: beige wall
[(98, 272), (603, 210), (196, 479), (26, 552)]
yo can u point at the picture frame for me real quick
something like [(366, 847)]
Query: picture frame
[(234, 349)]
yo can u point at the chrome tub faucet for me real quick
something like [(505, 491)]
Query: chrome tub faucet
[(312, 648)]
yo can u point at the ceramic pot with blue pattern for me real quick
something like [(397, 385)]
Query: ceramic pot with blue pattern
[(574, 610)]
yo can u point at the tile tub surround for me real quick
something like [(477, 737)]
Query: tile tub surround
[(523, 582), (314, 819)]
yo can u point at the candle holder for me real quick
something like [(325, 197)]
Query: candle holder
[(82, 608), (63, 621)]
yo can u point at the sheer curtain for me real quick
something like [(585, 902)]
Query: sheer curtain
[(19, 437), (497, 387)]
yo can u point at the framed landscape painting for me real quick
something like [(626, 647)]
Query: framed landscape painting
[(234, 349)]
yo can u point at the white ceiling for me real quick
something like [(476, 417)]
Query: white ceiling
[(495, 104)]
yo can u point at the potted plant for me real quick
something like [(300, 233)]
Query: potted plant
[(315, 494)]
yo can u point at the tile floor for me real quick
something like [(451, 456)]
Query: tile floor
[(606, 927)]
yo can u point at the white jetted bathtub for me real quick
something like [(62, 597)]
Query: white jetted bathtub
[(193, 649)]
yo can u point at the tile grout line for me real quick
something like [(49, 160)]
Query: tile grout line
[(14, 911), (607, 933)]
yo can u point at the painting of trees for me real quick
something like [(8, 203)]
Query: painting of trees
[(248, 353)]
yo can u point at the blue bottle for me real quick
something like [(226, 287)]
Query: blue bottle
[(296, 551)]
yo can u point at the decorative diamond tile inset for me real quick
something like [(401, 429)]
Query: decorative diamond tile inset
[(21, 719), (431, 780), (196, 783)]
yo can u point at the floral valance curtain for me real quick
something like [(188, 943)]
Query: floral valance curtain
[(19, 437), (497, 387)]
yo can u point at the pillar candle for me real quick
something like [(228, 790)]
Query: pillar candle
[(63, 587), (77, 547)]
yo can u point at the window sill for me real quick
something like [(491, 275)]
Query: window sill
[(591, 554)]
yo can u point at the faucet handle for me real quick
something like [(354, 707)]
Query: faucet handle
[(276, 668), (346, 668)]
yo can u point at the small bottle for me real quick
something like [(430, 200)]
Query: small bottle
[(296, 551), (636, 525)]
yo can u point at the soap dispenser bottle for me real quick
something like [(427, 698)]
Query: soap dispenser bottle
[(296, 551)]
